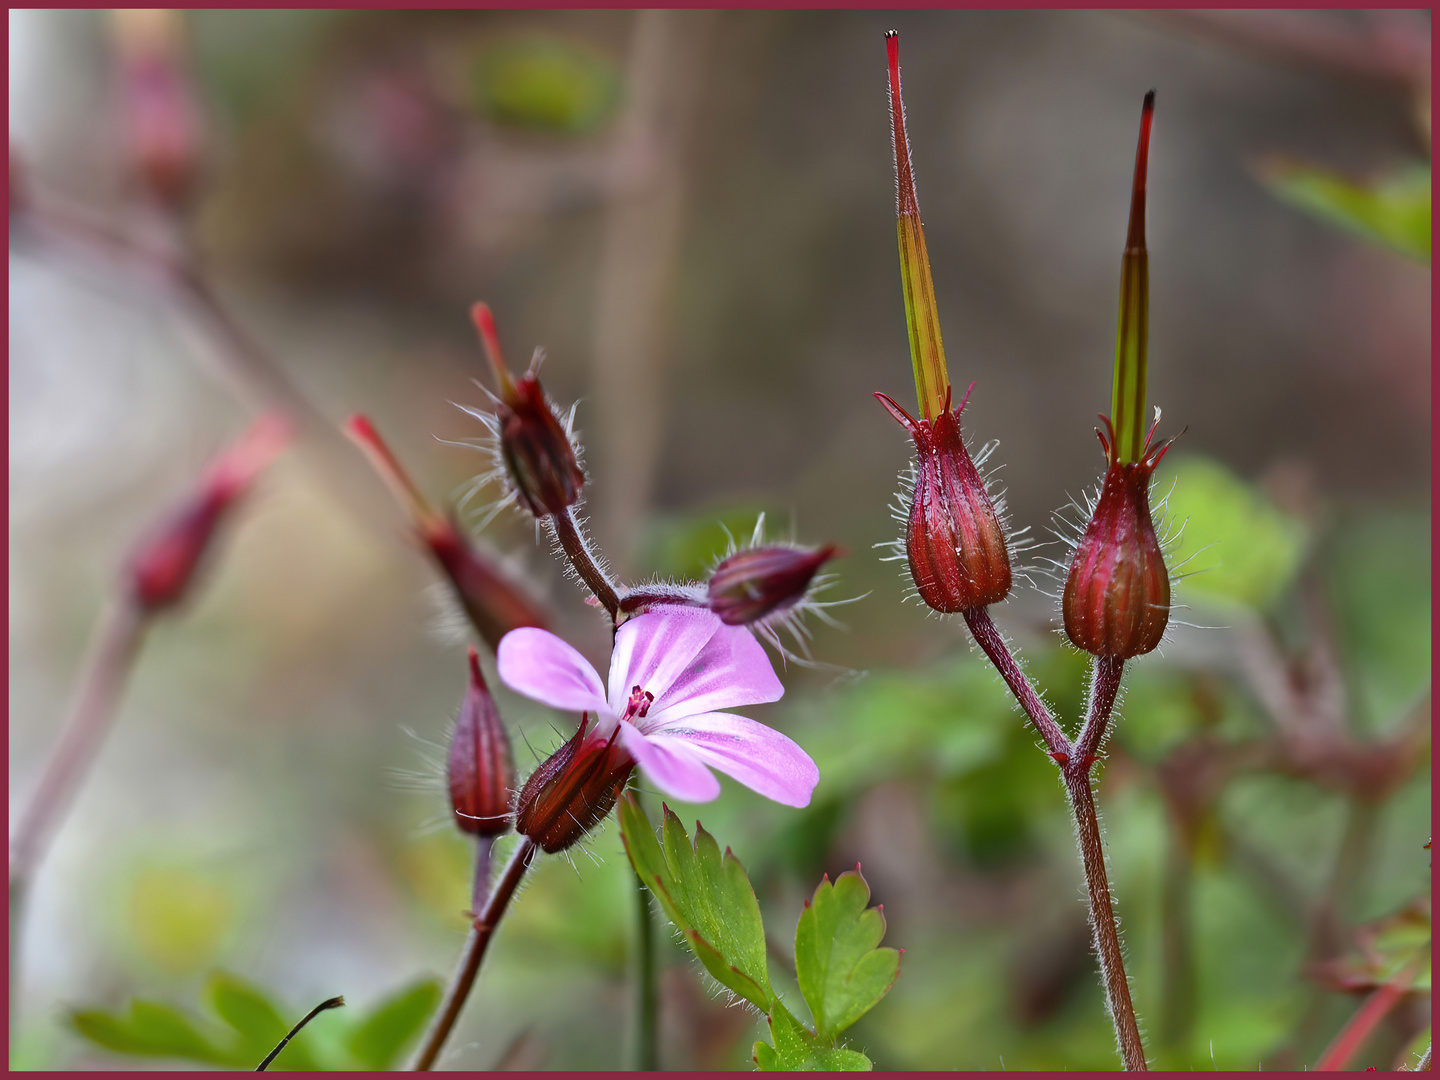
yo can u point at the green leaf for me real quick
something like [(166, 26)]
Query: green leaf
[(152, 1030), (841, 970), (1236, 546), (706, 895), (1393, 212), (256, 1020), (379, 1038), (796, 1050)]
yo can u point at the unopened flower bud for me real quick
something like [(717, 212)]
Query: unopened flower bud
[(953, 538), (494, 604), (481, 768), (160, 115), (161, 568), (1117, 595), (536, 448), (573, 789), (758, 582)]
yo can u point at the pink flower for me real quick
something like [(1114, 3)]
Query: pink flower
[(671, 669)]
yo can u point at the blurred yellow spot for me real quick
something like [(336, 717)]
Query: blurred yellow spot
[(178, 919)]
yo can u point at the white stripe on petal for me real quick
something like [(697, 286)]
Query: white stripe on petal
[(671, 766), (759, 757)]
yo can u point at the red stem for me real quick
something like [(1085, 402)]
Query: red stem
[(993, 645), (1377, 1006)]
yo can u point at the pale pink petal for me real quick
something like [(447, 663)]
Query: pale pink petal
[(538, 664), (671, 766), (759, 757), (652, 650), (731, 670)]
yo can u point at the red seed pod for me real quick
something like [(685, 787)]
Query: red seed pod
[(1117, 594), (535, 446), (481, 768), (572, 790), (953, 538), (162, 566), (494, 604), (757, 582)]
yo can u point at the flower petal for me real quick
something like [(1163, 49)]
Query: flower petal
[(652, 650), (538, 664), (670, 765), (731, 670), (759, 757)]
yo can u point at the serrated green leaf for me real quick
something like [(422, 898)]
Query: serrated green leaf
[(152, 1030), (707, 895), (796, 1050), (840, 968), (1236, 547), (379, 1038), (1394, 212)]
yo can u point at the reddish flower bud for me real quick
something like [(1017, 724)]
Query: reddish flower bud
[(1117, 594), (481, 769), (953, 537), (758, 582), (162, 566), (494, 604), (534, 444), (572, 790), (161, 118)]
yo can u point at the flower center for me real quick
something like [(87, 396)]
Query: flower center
[(639, 703)]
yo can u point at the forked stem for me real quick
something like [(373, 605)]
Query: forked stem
[(481, 931), (993, 645)]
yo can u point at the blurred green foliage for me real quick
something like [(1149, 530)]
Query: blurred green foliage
[(251, 1025), (687, 545), (544, 83), (1393, 211), (1234, 545)]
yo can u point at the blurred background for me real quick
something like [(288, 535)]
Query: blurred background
[(693, 213)]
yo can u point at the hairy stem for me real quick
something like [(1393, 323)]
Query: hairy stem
[(480, 888), (567, 531), (481, 931), (1102, 916), (993, 645), (1105, 674)]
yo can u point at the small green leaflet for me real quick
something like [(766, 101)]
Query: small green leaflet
[(796, 1050), (842, 972), (706, 895)]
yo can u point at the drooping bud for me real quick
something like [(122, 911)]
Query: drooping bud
[(756, 583), (539, 458), (157, 100), (161, 568), (481, 768), (573, 789), (953, 537), (494, 604), (1117, 594)]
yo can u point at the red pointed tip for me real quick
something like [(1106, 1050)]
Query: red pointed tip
[(477, 679), (359, 428), (905, 202), (1135, 236), (484, 320)]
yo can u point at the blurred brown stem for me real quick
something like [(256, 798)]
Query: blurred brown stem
[(481, 931), (111, 658)]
